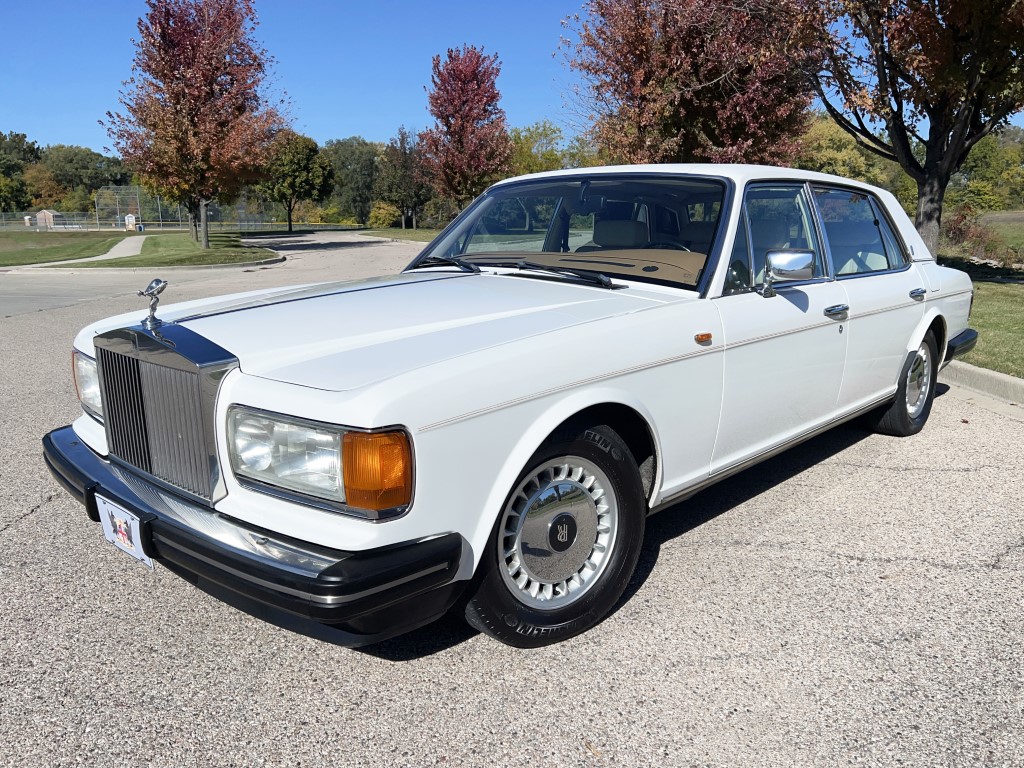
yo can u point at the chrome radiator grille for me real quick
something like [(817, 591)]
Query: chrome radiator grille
[(154, 420), (159, 388)]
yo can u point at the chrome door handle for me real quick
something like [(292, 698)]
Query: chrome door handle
[(918, 293), (836, 310)]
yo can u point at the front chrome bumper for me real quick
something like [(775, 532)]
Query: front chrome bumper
[(369, 595)]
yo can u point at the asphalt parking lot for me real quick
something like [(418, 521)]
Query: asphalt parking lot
[(856, 600)]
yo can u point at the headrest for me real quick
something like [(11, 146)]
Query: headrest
[(612, 233)]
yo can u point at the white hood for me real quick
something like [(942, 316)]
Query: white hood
[(343, 336)]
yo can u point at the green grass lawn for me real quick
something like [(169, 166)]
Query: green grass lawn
[(32, 247), (397, 233), (176, 249), (1009, 225), (999, 320)]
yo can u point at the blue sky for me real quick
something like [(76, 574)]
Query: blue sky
[(349, 68)]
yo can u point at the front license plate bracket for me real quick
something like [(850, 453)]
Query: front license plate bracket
[(125, 529)]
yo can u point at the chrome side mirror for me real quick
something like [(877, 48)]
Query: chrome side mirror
[(786, 266)]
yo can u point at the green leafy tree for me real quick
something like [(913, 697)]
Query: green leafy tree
[(904, 75), (296, 171), (827, 148), (74, 167), (536, 148), (401, 178), (196, 126), (16, 151), (14, 194), (355, 170)]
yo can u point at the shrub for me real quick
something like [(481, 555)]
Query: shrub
[(384, 215), (439, 212)]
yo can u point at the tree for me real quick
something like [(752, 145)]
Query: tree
[(16, 148), (355, 169), (401, 179), (43, 186), (536, 148), (75, 167), (196, 126), (941, 75), (296, 171), (468, 147), (686, 80), (14, 194), (16, 153)]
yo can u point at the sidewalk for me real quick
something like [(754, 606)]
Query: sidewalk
[(130, 246)]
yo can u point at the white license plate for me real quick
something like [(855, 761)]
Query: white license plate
[(122, 529)]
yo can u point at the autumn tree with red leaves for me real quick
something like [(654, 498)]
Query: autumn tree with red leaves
[(469, 145), (693, 80), (922, 83), (196, 127)]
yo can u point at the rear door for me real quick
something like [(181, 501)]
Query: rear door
[(885, 292)]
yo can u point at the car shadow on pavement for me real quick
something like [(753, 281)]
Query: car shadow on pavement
[(683, 517)]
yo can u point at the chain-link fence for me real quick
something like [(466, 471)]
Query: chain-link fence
[(132, 208)]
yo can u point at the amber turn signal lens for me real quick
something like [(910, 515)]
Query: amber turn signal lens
[(377, 469)]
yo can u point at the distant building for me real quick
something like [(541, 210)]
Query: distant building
[(47, 219)]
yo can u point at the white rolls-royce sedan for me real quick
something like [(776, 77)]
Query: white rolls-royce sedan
[(489, 429)]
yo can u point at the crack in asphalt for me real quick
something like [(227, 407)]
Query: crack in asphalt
[(1006, 552), (994, 563), (49, 497), (944, 470)]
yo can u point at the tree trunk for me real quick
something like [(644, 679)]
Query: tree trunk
[(288, 207), (930, 194), (204, 224)]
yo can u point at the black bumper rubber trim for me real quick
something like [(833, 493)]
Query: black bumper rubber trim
[(393, 581), (961, 344)]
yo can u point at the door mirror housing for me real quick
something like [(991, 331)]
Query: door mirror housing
[(786, 266)]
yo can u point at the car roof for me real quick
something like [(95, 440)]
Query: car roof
[(737, 172)]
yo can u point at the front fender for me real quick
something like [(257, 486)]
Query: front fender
[(543, 421)]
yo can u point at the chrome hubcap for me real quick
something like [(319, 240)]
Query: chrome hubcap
[(919, 382), (557, 533)]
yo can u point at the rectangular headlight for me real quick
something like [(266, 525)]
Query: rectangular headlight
[(87, 384), (365, 473), (293, 454)]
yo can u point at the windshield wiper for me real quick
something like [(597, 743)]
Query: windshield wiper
[(597, 278), (465, 266)]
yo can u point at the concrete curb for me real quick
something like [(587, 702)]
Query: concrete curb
[(991, 383), (263, 263)]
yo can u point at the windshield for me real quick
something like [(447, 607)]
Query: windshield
[(636, 228)]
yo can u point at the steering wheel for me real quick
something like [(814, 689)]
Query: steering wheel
[(667, 244)]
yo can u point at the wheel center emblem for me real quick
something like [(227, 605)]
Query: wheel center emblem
[(562, 532)]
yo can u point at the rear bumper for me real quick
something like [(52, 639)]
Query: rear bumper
[(367, 595), (961, 344)]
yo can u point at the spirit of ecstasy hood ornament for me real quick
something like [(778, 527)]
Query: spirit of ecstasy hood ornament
[(153, 291)]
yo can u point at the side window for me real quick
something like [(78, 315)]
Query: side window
[(856, 234), (779, 219), (893, 248)]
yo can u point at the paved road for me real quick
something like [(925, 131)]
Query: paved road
[(857, 600)]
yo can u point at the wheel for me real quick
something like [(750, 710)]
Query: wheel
[(565, 544), (909, 411)]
